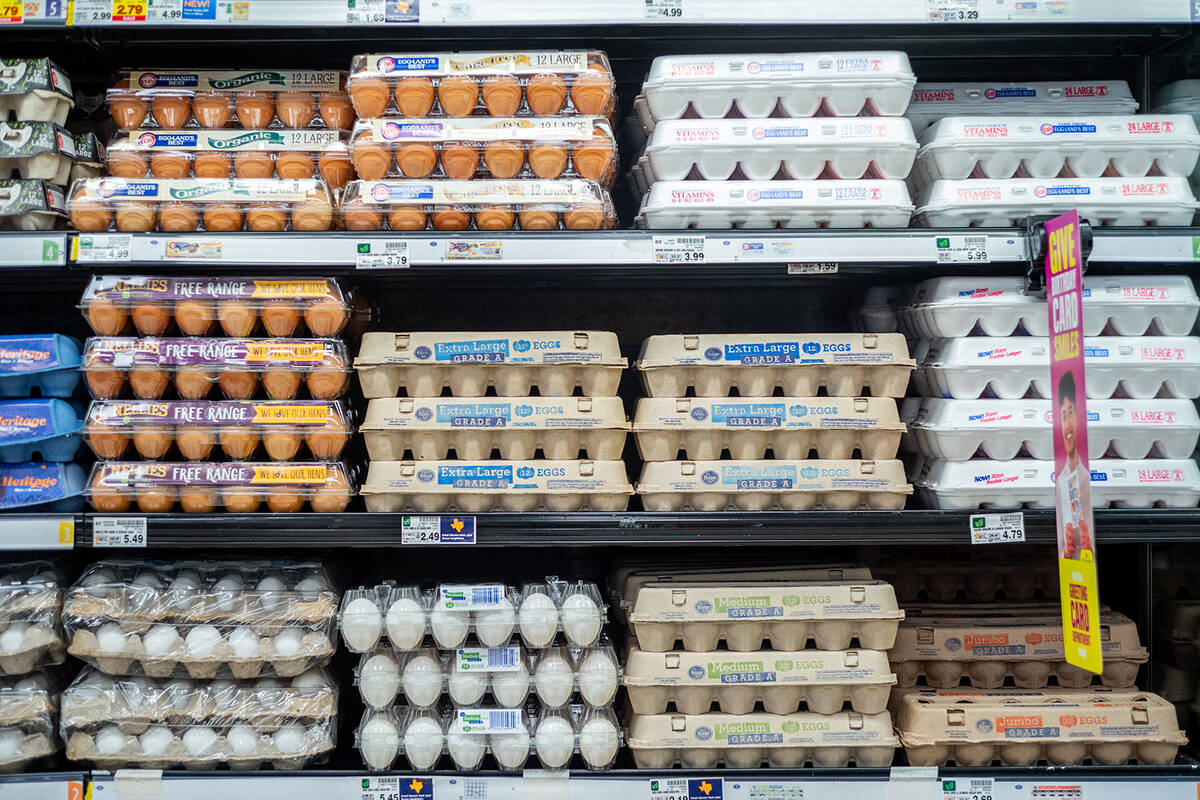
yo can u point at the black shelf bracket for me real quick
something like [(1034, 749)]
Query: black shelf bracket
[(1035, 235)]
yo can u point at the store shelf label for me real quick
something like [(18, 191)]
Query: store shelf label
[(384, 254), (815, 268), (192, 249), (687, 789), (968, 789), (963, 250), (678, 249), (382, 787), (37, 533), (12, 12), (997, 528), (469, 250), (428, 530), (664, 10), (779, 790), (952, 10), (102, 247), (379, 12), (119, 532)]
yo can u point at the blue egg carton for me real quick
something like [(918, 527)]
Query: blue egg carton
[(56, 488), (47, 363), (46, 428)]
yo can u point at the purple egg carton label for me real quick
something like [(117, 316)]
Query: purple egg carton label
[(23, 421), (145, 474), (212, 413), (136, 289), (31, 484), (255, 353), (27, 354)]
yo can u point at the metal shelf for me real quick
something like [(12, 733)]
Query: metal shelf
[(29, 250), (44, 786)]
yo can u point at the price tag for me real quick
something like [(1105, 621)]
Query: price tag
[(664, 10), (129, 10), (12, 12), (815, 268), (380, 788), (968, 789), (119, 532), (437, 530), (365, 12), (382, 255), (963, 250), (678, 249), (952, 10), (997, 528), (686, 789), (102, 247)]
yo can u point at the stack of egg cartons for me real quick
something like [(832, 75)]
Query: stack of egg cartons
[(164, 443), (782, 704), (709, 423), (433, 453), (200, 664), (1181, 97), (985, 428), (739, 141), (1177, 631), (482, 141), (511, 671)]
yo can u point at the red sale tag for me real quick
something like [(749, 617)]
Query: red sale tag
[(129, 10), (12, 12)]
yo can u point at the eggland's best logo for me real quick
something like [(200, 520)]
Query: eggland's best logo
[(380, 192), (696, 672), (699, 414), (425, 475), (525, 473), (752, 195), (521, 345), (386, 64), (422, 352), (391, 130), (709, 477), (759, 133), (990, 94), (754, 67), (147, 139), (1047, 129), (713, 354), (148, 81), (106, 189), (1040, 191)]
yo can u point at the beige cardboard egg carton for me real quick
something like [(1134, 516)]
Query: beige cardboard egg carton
[(821, 680), (941, 581), (844, 364), (790, 427), (199, 747), (1023, 728), (748, 741), (560, 427), (22, 704), (39, 644), (745, 614), (30, 608), (142, 606), (32, 746), (769, 485), (512, 363)]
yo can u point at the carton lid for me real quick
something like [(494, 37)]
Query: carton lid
[(875, 132), (787, 413), (820, 667), (230, 140), (718, 601), (480, 129), (455, 413), (1091, 95), (826, 194), (628, 580), (773, 475), (997, 131), (496, 477), (875, 67), (1000, 193), (758, 728), (1034, 351), (772, 349), (493, 347), (559, 193)]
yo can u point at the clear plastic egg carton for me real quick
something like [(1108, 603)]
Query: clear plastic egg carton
[(933, 101), (1140, 367), (957, 430), (985, 203), (28, 710), (713, 364), (494, 612), (1060, 728), (748, 741), (202, 615), (30, 607), (512, 363), (747, 427), (745, 614), (469, 735), (819, 681), (1029, 483), (34, 89), (508, 676), (724, 205), (801, 84), (36, 151), (942, 580), (983, 645), (472, 427), (1126, 305), (31, 206)]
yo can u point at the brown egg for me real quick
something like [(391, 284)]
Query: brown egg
[(241, 499), (239, 441), (460, 161), (149, 383), (109, 500), (592, 92), (358, 216), (335, 168), (128, 110), (546, 94), (213, 109), (178, 217), (195, 443), (594, 159), (333, 497), (151, 319), (458, 94), (414, 97), (501, 95), (198, 499), (371, 159), (106, 317), (329, 380), (328, 440), (281, 384), (212, 165), (170, 164), (222, 218), (503, 159), (106, 441), (126, 164), (313, 214), (369, 95), (193, 383), (296, 164), (170, 111), (406, 219), (255, 109), (253, 164), (336, 111), (133, 217), (416, 159), (326, 316), (152, 441), (238, 385), (296, 109), (156, 499), (280, 317), (264, 218), (448, 218), (281, 445), (283, 501), (237, 317), (195, 317), (104, 382), (494, 218), (547, 160), (584, 217), (89, 215), (538, 218)]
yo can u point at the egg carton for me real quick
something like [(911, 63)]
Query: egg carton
[(36, 151), (722, 205), (933, 101), (763, 485), (1003, 429), (1178, 619), (744, 614), (1177, 95), (1029, 483), (31, 206), (540, 83), (978, 580), (1126, 305), (201, 428), (34, 89), (252, 99), (560, 428), (39, 487), (878, 314), (511, 363), (747, 741), (1175, 684), (845, 364), (212, 205), (30, 591), (485, 147), (511, 675), (1024, 641), (747, 427), (1062, 728), (28, 702), (231, 153), (484, 205), (468, 735), (1102, 201), (47, 428), (1141, 367), (193, 367), (801, 84), (89, 157), (494, 612), (46, 363), (821, 681)]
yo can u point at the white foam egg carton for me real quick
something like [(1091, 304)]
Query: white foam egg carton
[(801, 84), (513, 363), (755, 364), (1140, 367), (933, 101), (472, 427), (744, 614), (748, 741), (471, 486), (763, 485), (819, 680), (957, 430), (747, 427), (28, 708), (1003, 203), (722, 205)]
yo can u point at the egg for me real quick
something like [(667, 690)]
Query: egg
[(170, 110), (110, 638), (326, 316), (416, 159), (238, 385), (379, 680), (405, 623), (212, 109), (333, 497), (289, 739), (538, 618), (237, 317), (538, 218), (222, 218), (99, 577), (466, 749), (281, 445), (108, 499), (598, 678), (548, 160), (228, 590), (287, 642), (495, 626), (598, 742), (358, 216), (581, 619), (195, 317), (104, 441), (407, 219), (160, 639), (13, 637), (127, 109), (266, 218), (198, 499), (132, 217), (314, 213), (179, 693), (253, 164), (244, 642), (546, 94), (312, 679), (422, 679), (89, 215), (554, 679), (155, 740), (152, 442), (423, 743), (280, 317), (243, 740), (156, 499), (510, 748), (414, 97), (110, 740), (10, 743), (370, 95), (328, 380), (335, 168), (449, 627), (206, 164), (336, 110), (186, 583), (281, 384), (311, 588), (295, 164), (584, 217), (467, 688), (594, 159), (239, 441), (170, 164), (555, 742), (460, 161), (495, 218), (511, 688), (148, 383), (105, 317), (592, 92), (448, 218), (178, 218), (379, 742), (224, 693), (199, 740), (503, 159), (458, 95), (126, 163), (501, 95), (270, 593), (193, 383), (296, 109), (202, 640), (361, 624), (255, 109)]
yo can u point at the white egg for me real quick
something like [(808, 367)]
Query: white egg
[(466, 688), (110, 638), (581, 619), (379, 680), (598, 679), (270, 683), (313, 679), (555, 742), (147, 580), (287, 641), (32, 683), (155, 740), (270, 592), (243, 740), (598, 742), (361, 624), (199, 740), (449, 627), (201, 640), (406, 623), (179, 692), (13, 637), (466, 749), (494, 626), (538, 619), (244, 642), (228, 590), (511, 688), (422, 680), (110, 740), (423, 743), (184, 588), (510, 748), (159, 640), (101, 577), (311, 587), (554, 680), (10, 743), (289, 740), (379, 742), (223, 693)]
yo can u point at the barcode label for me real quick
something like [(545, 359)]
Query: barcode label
[(678, 249), (495, 659), (963, 250), (474, 788), (485, 720), (471, 597)]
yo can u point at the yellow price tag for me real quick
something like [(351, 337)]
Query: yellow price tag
[(129, 10), (12, 12)]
